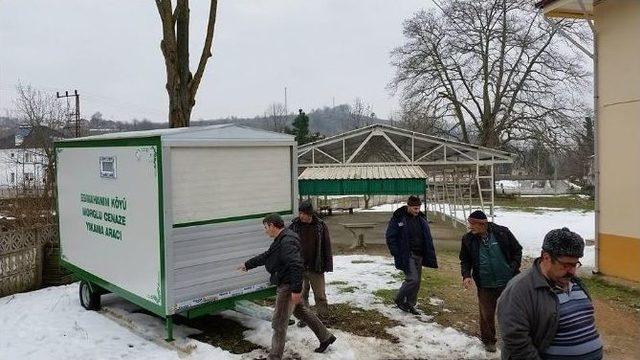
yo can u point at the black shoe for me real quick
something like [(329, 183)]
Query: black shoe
[(325, 344), (301, 324), (413, 310), (490, 347), (402, 306)]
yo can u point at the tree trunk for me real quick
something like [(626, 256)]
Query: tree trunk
[(181, 84)]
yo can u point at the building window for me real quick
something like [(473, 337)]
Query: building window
[(12, 178), (13, 155), (28, 176), (28, 157)]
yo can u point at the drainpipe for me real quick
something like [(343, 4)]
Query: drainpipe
[(596, 133), (596, 146)]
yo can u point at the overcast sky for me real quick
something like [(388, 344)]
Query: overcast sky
[(320, 50)]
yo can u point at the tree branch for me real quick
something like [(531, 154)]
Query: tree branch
[(206, 50)]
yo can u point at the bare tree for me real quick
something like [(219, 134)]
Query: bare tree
[(181, 84), (359, 115), (276, 116), (46, 118), (424, 119), (493, 69)]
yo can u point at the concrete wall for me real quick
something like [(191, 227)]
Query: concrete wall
[(618, 27)]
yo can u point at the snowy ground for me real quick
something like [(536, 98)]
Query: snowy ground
[(51, 324), (530, 227)]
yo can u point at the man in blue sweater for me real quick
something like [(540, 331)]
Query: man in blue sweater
[(546, 311)]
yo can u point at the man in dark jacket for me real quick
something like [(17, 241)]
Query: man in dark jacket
[(410, 243), (546, 312), (316, 255), (283, 261), (489, 256)]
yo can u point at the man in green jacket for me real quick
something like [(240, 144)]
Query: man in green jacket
[(489, 257)]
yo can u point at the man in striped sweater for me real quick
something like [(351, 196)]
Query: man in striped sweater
[(546, 311)]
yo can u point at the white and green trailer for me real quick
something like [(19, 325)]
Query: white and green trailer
[(162, 218)]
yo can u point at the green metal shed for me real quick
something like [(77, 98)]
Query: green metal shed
[(362, 180)]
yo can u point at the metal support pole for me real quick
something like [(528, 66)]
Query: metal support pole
[(168, 323)]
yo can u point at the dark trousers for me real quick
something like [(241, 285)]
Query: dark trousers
[(408, 293), (487, 299), (315, 280), (280, 321)]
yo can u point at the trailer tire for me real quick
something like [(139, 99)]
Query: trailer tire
[(89, 296)]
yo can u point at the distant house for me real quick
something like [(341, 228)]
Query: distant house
[(23, 160)]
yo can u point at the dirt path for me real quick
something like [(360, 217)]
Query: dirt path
[(618, 323)]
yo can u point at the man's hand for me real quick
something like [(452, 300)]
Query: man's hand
[(295, 298), (242, 268), (467, 282)]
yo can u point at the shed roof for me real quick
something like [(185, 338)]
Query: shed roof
[(380, 144), (363, 172)]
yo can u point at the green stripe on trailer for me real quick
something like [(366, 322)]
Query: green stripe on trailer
[(229, 219), (143, 303), (141, 141), (163, 283), (228, 303)]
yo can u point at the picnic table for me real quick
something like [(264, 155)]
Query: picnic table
[(358, 230)]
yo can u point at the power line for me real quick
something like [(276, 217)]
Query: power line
[(77, 113)]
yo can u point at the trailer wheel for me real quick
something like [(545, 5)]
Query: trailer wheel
[(89, 296)]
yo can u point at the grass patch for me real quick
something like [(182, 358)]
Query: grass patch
[(602, 289), (347, 289), (564, 202), (387, 296), (362, 261), (360, 322), (338, 283), (445, 284), (222, 333), (351, 319)]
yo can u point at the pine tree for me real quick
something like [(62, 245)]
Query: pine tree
[(301, 128)]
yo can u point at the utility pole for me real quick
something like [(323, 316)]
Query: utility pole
[(286, 111), (77, 113)]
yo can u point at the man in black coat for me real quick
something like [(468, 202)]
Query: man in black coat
[(316, 255), (284, 262), (409, 241), (489, 256)]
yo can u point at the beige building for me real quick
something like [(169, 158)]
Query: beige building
[(616, 24)]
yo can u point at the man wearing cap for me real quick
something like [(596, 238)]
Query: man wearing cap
[(316, 255), (546, 312), (410, 243), (283, 261), (489, 257)]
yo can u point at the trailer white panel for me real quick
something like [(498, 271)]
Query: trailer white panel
[(214, 183), (109, 225)]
